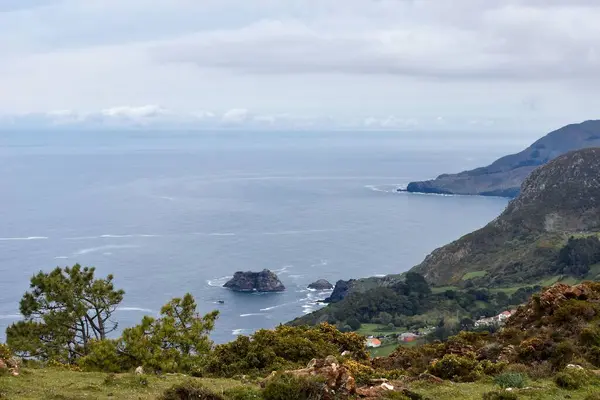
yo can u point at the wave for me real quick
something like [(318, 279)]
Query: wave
[(146, 310), (251, 314), (301, 232), (101, 248), (385, 188), (127, 236), (61, 257), (283, 269), (11, 316), (240, 331), (221, 234), (218, 282), (24, 238), (280, 305)]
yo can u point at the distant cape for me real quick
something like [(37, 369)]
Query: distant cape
[(504, 176)]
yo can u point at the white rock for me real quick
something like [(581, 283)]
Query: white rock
[(139, 370), (387, 386), (574, 366)]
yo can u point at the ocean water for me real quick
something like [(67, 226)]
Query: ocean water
[(169, 213)]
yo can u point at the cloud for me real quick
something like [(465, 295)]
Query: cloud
[(236, 115), (512, 40), (300, 62)]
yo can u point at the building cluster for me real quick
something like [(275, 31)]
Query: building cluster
[(499, 319)]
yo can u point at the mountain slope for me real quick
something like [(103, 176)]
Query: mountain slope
[(557, 200), (504, 176)]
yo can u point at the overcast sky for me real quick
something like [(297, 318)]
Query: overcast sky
[(403, 63)]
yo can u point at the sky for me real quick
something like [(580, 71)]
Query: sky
[(369, 64)]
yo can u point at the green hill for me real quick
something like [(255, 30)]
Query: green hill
[(528, 242)]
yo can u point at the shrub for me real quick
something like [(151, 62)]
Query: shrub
[(243, 393), (361, 373), (540, 370), (499, 396), (571, 379), (289, 387), (592, 396), (284, 347), (457, 368), (5, 352), (493, 368), (510, 380), (189, 390), (103, 356)]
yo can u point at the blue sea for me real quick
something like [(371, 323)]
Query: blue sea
[(175, 212)]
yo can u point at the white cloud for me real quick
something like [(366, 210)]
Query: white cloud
[(236, 115), (505, 60)]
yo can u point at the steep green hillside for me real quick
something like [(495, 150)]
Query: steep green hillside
[(523, 245)]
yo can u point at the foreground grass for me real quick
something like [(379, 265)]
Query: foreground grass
[(537, 390), (55, 384)]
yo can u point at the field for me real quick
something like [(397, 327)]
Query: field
[(53, 384), (49, 383)]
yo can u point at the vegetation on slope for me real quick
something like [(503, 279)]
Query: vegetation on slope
[(523, 245)]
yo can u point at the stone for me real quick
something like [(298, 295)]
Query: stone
[(340, 291), (264, 281), (574, 366), (139, 370), (338, 380), (321, 284)]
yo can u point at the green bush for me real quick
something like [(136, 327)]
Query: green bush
[(190, 390), (284, 347), (571, 379), (103, 356), (243, 393), (289, 387), (5, 352), (499, 396), (592, 396), (510, 380), (457, 368)]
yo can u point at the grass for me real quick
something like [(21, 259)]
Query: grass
[(55, 384), (538, 390), (442, 289), (384, 350), (474, 274), (377, 330)]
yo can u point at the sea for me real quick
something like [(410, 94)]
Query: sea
[(169, 213)]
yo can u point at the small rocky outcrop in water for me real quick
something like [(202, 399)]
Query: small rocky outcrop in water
[(321, 284), (264, 281), (340, 291)]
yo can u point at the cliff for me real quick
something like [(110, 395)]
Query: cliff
[(504, 176), (557, 200), (264, 281)]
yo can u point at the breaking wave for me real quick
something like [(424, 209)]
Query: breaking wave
[(24, 238)]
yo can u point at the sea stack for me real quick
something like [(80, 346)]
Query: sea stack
[(264, 281), (321, 284)]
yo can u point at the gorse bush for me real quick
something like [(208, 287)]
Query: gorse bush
[(5, 352), (457, 368), (510, 380), (283, 347), (499, 396), (243, 393), (571, 378), (290, 387), (190, 390)]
